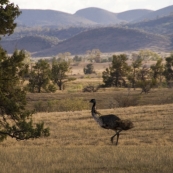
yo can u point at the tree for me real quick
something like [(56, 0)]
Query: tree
[(158, 70), (146, 55), (145, 80), (77, 58), (89, 69), (58, 73), (8, 13), (168, 72), (15, 120), (40, 76), (94, 55), (115, 74), (136, 64)]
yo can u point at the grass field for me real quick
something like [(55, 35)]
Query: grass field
[(78, 144)]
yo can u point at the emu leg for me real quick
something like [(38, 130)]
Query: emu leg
[(117, 138), (117, 133), (112, 138)]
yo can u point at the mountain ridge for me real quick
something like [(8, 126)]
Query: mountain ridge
[(109, 39)]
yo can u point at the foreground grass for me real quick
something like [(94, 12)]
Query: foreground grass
[(78, 144), (87, 159)]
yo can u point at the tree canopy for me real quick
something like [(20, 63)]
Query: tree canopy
[(114, 75), (8, 13), (58, 72), (15, 120)]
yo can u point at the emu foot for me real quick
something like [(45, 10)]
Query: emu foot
[(112, 141)]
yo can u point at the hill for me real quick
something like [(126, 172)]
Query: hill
[(86, 17), (104, 17), (98, 15), (162, 25), (131, 15), (109, 39), (41, 31), (52, 18), (29, 43), (156, 14)]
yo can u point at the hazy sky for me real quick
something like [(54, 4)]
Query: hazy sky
[(71, 6)]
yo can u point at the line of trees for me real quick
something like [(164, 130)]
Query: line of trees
[(138, 73), (48, 76)]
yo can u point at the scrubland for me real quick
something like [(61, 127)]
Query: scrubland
[(78, 144)]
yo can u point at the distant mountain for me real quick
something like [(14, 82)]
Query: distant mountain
[(29, 43), (162, 25), (65, 33), (48, 32), (52, 18), (104, 17), (156, 14), (86, 17), (34, 40), (133, 14), (98, 15), (109, 39)]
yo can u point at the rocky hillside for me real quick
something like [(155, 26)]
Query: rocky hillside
[(162, 25), (109, 39)]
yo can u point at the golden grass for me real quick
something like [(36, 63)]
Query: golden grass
[(78, 144), (106, 97)]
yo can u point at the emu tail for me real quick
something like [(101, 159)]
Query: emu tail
[(125, 124)]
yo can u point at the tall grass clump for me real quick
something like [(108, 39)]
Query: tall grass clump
[(68, 104), (127, 100)]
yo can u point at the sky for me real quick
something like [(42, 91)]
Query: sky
[(71, 6)]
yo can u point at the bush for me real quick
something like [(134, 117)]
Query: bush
[(127, 100), (90, 88)]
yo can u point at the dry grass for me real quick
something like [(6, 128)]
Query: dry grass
[(78, 144), (107, 97)]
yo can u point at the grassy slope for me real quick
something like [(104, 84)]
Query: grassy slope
[(78, 144)]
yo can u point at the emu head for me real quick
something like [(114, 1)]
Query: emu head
[(92, 101)]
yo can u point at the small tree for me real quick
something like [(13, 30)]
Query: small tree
[(89, 69), (115, 74), (58, 73), (77, 58), (15, 120), (168, 72), (158, 70), (39, 77), (136, 64), (147, 55), (145, 80)]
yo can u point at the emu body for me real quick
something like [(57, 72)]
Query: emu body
[(110, 121)]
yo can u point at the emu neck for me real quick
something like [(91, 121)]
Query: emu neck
[(95, 116)]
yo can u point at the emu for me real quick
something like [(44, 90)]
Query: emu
[(110, 121)]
